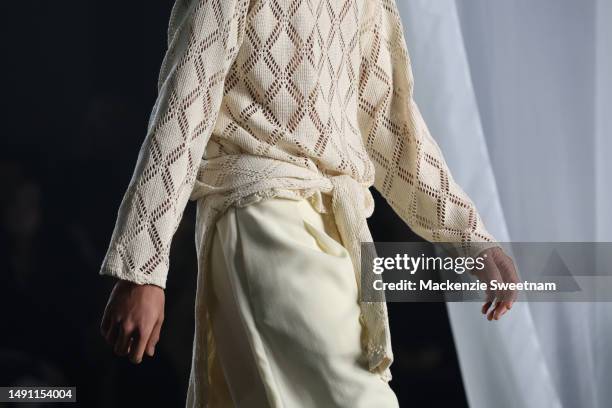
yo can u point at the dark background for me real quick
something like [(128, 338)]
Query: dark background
[(79, 81)]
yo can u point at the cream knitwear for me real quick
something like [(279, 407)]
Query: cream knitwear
[(285, 98)]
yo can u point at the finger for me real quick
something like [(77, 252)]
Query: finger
[(491, 314), (509, 303), (141, 339), (112, 333), (489, 296), (154, 338), (485, 307), (122, 345), (499, 311)]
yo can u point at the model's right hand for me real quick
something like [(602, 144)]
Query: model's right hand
[(133, 318)]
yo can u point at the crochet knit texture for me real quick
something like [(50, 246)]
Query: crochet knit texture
[(293, 99)]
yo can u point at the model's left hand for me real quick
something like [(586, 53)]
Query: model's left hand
[(499, 267)]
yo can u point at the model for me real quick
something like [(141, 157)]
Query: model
[(277, 116)]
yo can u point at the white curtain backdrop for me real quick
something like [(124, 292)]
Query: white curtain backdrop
[(518, 94)]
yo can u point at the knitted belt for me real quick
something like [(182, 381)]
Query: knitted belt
[(243, 179)]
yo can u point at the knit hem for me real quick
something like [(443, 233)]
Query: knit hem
[(114, 266)]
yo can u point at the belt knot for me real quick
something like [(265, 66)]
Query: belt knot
[(351, 195)]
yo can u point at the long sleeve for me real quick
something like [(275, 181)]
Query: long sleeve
[(203, 39), (411, 173)]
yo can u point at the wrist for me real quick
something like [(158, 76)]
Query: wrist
[(129, 285)]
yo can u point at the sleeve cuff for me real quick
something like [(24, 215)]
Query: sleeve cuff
[(113, 265), (472, 249)]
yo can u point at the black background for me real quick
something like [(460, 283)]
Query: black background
[(79, 81)]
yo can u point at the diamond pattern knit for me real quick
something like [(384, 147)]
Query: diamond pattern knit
[(284, 98)]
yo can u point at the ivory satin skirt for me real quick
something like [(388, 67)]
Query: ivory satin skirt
[(285, 314)]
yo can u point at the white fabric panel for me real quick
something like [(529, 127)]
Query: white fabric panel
[(531, 82), (543, 82), (507, 363), (533, 68), (602, 312), (603, 143)]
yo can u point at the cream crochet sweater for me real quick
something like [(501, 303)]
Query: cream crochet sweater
[(288, 98)]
